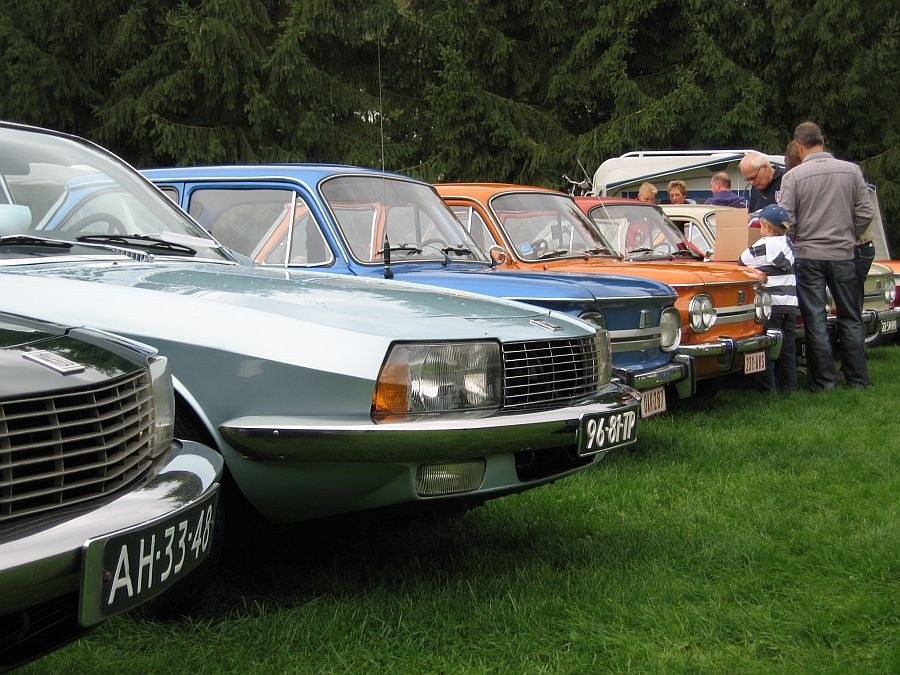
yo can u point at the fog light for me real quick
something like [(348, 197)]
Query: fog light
[(434, 480)]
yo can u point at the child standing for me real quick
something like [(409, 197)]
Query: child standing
[(773, 255)]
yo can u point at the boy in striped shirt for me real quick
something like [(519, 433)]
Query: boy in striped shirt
[(773, 254)]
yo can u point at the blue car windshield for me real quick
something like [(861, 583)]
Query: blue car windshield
[(409, 216), (57, 187)]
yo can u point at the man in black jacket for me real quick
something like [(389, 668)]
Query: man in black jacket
[(764, 178)]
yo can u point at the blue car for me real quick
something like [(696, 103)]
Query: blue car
[(362, 222)]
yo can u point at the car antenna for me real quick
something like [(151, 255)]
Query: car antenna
[(386, 256), (386, 251)]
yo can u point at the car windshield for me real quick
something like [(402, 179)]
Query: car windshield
[(56, 187), (543, 225), (638, 231), (373, 212)]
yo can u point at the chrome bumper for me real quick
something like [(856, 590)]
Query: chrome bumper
[(874, 321), (679, 372), (726, 348), (44, 562), (315, 440), (672, 372)]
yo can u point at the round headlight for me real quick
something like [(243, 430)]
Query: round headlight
[(890, 291), (669, 329), (594, 318), (701, 313), (763, 305)]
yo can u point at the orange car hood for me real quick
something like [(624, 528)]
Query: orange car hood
[(672, 273)]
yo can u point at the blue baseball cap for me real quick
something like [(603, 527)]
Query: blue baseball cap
[(775, 215)]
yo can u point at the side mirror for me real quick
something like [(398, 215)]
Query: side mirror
[(14, 219), (498, 255)]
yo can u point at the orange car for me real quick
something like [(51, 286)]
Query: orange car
[(723, 306)]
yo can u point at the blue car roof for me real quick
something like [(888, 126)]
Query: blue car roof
[(309, 174)]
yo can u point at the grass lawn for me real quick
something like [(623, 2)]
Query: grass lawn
[(755, 534)]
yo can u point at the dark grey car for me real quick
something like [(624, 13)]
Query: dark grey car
[(100, 509)]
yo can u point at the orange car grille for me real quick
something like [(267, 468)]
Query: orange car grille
[(540, 373), (73, 446)]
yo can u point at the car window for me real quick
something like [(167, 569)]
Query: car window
[(637, 228), (474, 224), (171, 193), (693, 233), (75, 193), (418, 225), (256, 223), (544, 225)]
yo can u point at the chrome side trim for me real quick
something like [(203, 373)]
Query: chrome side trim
[(736, 314), (634, 345)]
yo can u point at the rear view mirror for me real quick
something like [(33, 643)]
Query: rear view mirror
[(14, 219), (498, 255)]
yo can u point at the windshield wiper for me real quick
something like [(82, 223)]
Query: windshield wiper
[(409, 248), (458, 250), (601, 250), (642, 250), (143, 240), (28, 240), (553, 254)]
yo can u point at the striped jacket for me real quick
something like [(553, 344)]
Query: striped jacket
[(774, 256)]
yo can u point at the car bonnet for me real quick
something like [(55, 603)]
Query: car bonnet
[(128, 297)]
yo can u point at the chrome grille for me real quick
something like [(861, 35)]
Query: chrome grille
[(548, 372), (74, 446)]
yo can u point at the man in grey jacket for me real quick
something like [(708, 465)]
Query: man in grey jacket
[(829, 208)]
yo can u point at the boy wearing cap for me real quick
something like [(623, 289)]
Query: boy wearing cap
[(773, 255)]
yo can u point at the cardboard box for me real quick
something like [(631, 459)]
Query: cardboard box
[(733, 234)]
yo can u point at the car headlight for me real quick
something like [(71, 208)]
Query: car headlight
[(164, 402), (890, 291), (701, 313), (669, 329), (604, 358), (593, 318), (763, 305), (438, 379)]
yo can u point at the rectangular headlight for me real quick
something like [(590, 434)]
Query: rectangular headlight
[(462, 378), (604, 357)]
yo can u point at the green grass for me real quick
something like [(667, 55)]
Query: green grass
[(753, 534)]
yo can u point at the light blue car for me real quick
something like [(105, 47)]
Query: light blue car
[(324, 393), (361, 222)]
